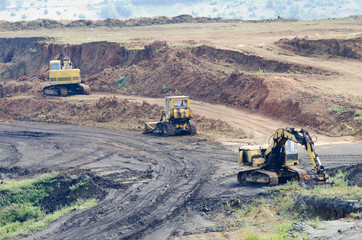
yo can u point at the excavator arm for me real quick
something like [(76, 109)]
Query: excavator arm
[(302, 136)]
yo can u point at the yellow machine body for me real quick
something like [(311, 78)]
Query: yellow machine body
[(57, 75), (175, 118), (64, 80), (278, 161)]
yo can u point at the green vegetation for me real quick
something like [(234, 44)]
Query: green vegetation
[(358, 116), (253, 220), (123, 80), (164, 88), (81, 184), (339, 109), (294, 72), (20, 210), (261, 72), (338, 188)]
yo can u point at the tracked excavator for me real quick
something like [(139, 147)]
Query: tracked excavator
[(175, 118), (64, 80), (277, 163)]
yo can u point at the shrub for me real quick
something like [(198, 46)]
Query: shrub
[(123, 80), (164, 88), (339, 109)]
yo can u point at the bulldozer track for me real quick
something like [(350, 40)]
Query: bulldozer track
[(165, 182)]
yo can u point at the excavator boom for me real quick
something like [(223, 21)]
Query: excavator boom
[(302, 137), (263, 164)]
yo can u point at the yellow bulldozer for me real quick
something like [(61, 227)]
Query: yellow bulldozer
[(64, 80), (277, 163), (175, 118)]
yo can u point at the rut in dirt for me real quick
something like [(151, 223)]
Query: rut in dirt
[(149, 179)]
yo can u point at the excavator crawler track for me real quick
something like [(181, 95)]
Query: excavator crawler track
[(302, 174), (257, 177)]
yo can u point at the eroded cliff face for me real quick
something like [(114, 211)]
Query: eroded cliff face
[(203, 72)]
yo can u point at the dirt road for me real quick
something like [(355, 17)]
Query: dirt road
[(162, 186), (258, 127)]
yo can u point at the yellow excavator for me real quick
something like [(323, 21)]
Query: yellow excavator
[(64, 80), (175, 118), (277, 163)]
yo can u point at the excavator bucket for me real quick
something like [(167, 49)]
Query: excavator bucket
[(150, 127)]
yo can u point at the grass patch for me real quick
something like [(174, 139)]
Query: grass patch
[(339, 109), (273, 217), (123, 80), (20, 205), (338, 188), (261, 72), (358, 116)]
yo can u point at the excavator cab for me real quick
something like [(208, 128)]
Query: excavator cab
[(291, 153)]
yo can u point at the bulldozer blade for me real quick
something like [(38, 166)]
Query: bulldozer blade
[(150, 127)]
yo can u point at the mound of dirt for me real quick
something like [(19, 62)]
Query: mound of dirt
[(204, 73), (354, 173), (331, 48), (69, 188), (328, 208), (110, 112)]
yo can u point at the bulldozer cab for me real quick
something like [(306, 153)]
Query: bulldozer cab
[(176, 102)]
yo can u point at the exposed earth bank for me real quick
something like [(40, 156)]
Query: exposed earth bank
[(239, 80)]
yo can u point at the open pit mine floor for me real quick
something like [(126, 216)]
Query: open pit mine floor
[(158, 187)]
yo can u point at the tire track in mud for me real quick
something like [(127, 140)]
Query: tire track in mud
[(165, 181), (10, 153), (177, 173)]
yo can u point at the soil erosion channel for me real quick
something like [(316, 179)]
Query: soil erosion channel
[(163, 186)]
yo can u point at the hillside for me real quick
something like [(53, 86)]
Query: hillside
[(300, 81)]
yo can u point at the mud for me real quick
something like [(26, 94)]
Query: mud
[(151, 183), (327, 208)]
